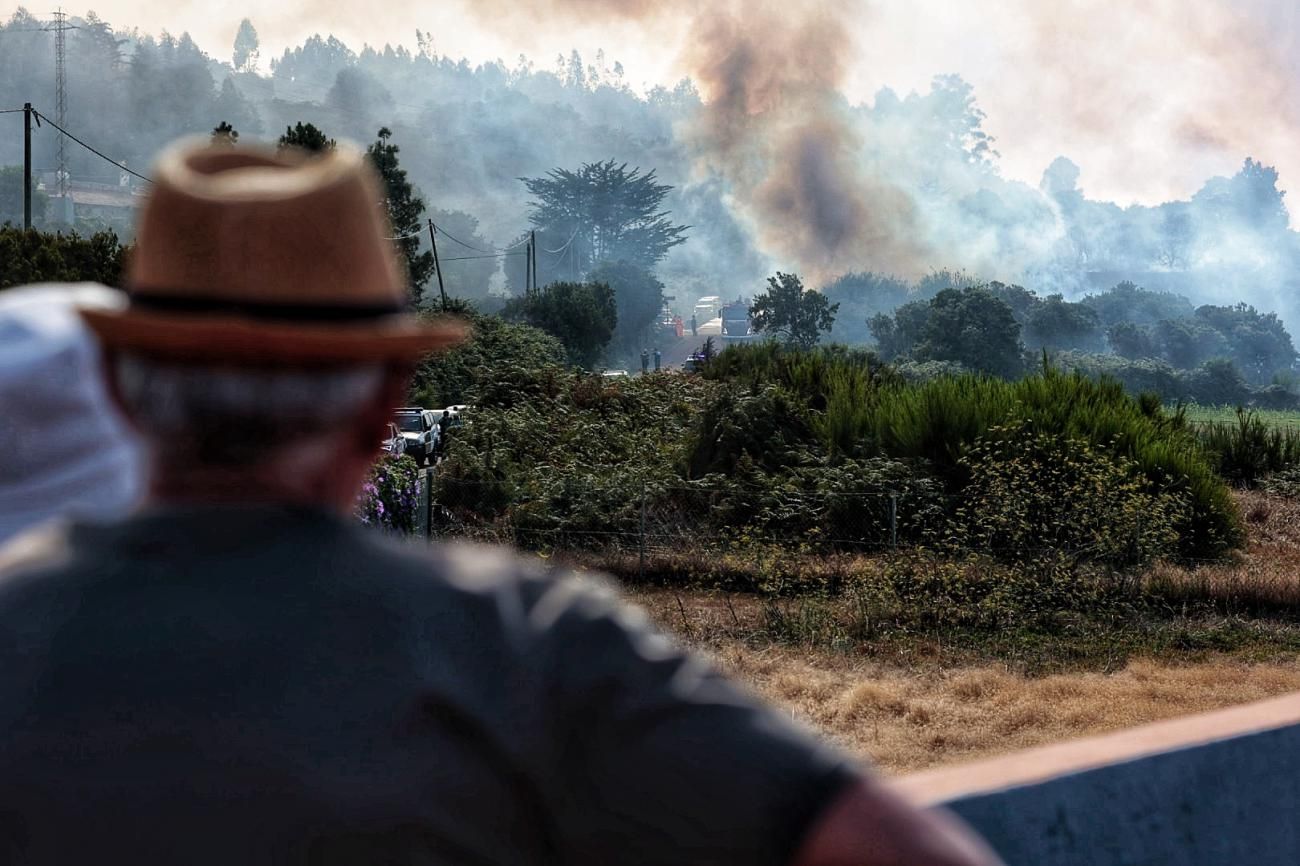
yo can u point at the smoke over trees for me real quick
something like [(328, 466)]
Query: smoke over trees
[(771, 166)]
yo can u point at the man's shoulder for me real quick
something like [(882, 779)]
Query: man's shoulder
[(525, 594), (462, 567)]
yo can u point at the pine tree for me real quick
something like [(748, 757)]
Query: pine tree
[(307, 137), (245, 55), (405, 211), (225, 135)]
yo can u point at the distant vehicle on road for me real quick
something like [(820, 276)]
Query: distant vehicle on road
[(706, 308), (736, 324), (419, 428)]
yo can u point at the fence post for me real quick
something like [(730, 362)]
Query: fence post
[(641, 538), (893, 519), (424, 505)]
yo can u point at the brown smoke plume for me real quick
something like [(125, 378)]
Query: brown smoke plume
[(776, 127)]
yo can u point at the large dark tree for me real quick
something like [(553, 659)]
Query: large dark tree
[(1055, 323), (1188, 343), (787, 311), (1258, 344), (973, 328), (639, 298), (604, 211), (970, 326), (1127, 302), (1131, 341), (405, 210)]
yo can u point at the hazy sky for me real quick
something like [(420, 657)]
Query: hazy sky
[(1149, 99)]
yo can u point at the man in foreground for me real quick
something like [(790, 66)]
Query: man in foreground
[(241, 674)]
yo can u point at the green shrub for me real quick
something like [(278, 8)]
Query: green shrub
[(496, 350), (977, 591), (940, 421), (1249, 450), (740, 433), (852, 502), (1032, 492), (1285, 483)]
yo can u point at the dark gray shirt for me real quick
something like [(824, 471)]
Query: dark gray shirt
[(259, 685)]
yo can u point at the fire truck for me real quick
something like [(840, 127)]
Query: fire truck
[(736, 324)]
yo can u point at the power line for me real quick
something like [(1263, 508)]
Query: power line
[(406, 237), (474, 258), (11, 110), (566, 244), (97, 153), (440, 230)]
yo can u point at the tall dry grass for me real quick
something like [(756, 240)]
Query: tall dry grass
[(1263, 579), (912, 705), (906, 720)]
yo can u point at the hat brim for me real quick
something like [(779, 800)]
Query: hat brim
[(236, 340)]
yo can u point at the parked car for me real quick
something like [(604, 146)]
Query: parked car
[(395, 444), (419, 428)]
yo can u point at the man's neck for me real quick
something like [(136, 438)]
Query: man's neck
[(198, 486)]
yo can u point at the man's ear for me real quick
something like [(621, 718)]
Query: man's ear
[(113, 388)]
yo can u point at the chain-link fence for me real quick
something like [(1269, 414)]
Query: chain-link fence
[(650, 518), (586, 514)]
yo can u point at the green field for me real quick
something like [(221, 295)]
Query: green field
[(1228, 414)]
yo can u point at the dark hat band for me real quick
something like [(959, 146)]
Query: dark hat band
[(275, 312)]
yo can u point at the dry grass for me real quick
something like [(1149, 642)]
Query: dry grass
[(908, 703), (910, 720), (914, 709), (1265, 577)]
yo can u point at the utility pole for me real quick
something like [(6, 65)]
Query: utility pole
[(533, 240), (433, 239), (528, 269), (60, 27), (27, 165)]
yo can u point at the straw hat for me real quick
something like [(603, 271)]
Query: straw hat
[(248, 256)]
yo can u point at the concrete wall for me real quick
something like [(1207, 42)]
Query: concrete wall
[(1221, 788)]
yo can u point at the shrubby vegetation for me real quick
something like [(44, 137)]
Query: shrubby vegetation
[(495, 352), (820, 449), (388, 498), (33, 256), (582, 316)]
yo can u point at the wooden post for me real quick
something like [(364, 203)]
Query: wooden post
[(641, 537), (424, 519), (27, 165), (433, 239), (893, 520), (533, 242), (528, 269)]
